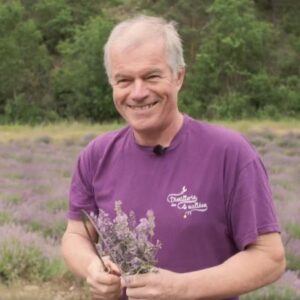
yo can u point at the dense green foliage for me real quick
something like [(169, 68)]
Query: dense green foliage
[(27, 262), (81, 88), (242, 57)]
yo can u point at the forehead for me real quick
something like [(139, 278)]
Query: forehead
[(137, 56)]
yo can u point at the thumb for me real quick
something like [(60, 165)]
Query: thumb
[(112, 267)]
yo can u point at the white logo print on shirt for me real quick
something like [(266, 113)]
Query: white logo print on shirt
[(186, 203)]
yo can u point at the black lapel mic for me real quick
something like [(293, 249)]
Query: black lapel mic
[(159, 150)]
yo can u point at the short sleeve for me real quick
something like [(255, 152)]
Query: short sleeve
[(252, 211), (81, 194)]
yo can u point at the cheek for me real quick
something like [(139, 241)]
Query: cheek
[(169, 95), (117, 96)]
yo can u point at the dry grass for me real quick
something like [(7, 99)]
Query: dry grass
[(43, 291), (58, 132), (278, 127), (73, 131)]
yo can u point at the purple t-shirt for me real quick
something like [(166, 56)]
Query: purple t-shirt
[(209, 191)]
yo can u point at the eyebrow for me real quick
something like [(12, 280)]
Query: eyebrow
[(154, 71)]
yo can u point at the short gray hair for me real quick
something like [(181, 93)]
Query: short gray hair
[(156, 27)]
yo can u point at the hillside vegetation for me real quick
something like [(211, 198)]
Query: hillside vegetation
[(242, 57)]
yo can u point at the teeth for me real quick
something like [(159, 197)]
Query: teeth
[(144, 107)]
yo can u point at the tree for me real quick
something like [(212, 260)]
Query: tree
[(190, 15), (54, 20), (24, 63), (81, 88), (234, 47)]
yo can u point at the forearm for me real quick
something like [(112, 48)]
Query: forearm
[(243, 272), (237, 276), (78, 253)]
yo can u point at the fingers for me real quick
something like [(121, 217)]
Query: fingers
[(103, 285), (135, 281), (159, 285), (103, 278), (113, 268), (106, 292), (136, 285), (138, 293), (96, 266)]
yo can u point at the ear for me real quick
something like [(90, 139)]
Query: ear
[(179, 78)]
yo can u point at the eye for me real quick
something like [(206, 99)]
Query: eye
[(153, 77), (123, 81)]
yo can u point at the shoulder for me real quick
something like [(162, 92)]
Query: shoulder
[(216, 134), (102, 143), (222, 140)]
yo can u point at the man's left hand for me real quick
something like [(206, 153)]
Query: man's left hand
[(158, 285)]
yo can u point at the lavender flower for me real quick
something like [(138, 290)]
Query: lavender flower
[(128, 244)]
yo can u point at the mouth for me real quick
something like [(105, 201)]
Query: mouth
[(142, 107)]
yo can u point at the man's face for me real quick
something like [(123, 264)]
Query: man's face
[(144, 88)]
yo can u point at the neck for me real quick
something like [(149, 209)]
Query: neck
[(161, 136)]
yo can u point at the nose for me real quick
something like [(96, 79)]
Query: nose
[(139, 90)]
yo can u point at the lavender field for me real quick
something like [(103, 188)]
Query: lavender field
[(34, 178)]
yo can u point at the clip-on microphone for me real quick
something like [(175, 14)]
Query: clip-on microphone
[(159, 150)]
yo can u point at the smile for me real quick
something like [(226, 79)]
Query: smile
[(142, 107)]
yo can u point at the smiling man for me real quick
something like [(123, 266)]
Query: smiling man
[(207, 186), (145, 87)]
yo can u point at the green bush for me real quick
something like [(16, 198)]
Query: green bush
[(54, 20), (224, 73), (24, 65), (26, 262), (292, 228), (5, 218), (230, 106), (22, 109), (293, 261), (272, 294), (242, 57), (81, 88)]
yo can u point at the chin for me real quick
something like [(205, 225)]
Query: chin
[(142, 123), (142, 126)]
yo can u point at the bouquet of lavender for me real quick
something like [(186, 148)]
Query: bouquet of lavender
[(128, 243)]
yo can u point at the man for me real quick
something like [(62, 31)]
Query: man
[(206, 185)]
